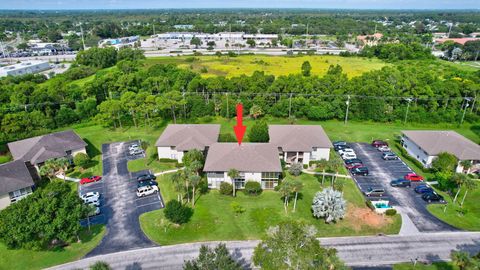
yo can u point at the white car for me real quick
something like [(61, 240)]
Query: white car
[(384, 148), (146, 190), (346, 150), (349, 156), (90, 197), (133, 147)]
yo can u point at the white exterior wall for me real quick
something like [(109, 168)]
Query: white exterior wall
[(4, 201), (320, 153), (169, 152), (81, 150), (418, 153), (257, 177), (306, 157), (214, 180)]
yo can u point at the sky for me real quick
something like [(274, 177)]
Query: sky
[(159, 4)]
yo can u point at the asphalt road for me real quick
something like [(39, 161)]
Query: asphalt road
[(381, 172), (121, 207), (355, 251)]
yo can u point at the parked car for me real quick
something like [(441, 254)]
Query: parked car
[(146, 190), (384, 148), (413, 177), (359, 171), (378, 192), (353, 165), (336, 143), (349, 156), (346, 150), (423, 189), (433, 197), (146, 183), (353, 160), (340, 147), (145, 177), (94, 203), (400, 183), (378, 143), (135, 152), (134, 146), (389, 156), (90, 179), (90, 196)]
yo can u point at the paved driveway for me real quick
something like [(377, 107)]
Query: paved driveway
[(121, 208), (381, 172)]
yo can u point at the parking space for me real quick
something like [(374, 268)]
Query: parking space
[(94, 187), (120, 206), (381, 172)]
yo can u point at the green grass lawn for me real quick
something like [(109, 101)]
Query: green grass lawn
[(275, 65), (214, 219), (27, 259), (421, 266)]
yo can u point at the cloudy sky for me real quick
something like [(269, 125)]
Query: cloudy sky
[(158, 4)]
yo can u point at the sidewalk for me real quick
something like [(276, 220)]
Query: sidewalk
[(169, 171), (63, 177), (326, 174)]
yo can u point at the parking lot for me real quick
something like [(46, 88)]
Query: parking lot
[(381, 172), (120, 207)]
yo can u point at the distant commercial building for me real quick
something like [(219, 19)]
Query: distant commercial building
[(370, 40), (24, 68), (119, 42), (456, 40), (218, 36)]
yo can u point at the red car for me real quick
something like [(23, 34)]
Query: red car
[(413, 177), (378, 143), (353, 165), (90, 179)]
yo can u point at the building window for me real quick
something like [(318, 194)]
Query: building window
[(269, 184), (19, 194), (239, 183)]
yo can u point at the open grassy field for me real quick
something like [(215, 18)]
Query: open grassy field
[(214, 218), (275, 65), (421, 266), (27, 259)]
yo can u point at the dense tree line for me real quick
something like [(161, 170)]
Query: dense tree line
[(398, 51), (133, 94)]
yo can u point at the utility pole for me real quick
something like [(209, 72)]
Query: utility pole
[(290, 106), (465, 110), (228, 114), (348, 106), (408, 107)]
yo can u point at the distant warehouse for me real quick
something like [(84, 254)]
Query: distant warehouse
[(24, 68)]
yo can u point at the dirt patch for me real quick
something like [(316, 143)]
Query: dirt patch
[(359, 217)]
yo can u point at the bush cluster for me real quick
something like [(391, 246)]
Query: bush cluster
[(253, 188), (226, 188), (177, 213), (391, 212)]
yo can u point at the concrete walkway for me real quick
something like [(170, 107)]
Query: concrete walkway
[(64, 177), (169, 171), (408, 227), (326, 174)]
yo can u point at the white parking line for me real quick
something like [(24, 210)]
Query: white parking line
[(147, 204)]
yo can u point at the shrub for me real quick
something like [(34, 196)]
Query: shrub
[(253, 188), (100, 266), (305, 166), (391, 212), (226, 137), (81, 160), (226, 188), (203, 186), (295, 169), (237, 208), (259, 132), (169, 160), (177, 213)]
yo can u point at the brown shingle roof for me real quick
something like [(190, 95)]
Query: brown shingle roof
[(187, 136), (14, 175), (435, 142), (300, 138), (247, 157), (40, 148)]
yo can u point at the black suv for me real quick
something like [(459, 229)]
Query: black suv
[(359, 171), (353, 160), (146, 183), (145, 177), (400, 183), (433, 197)]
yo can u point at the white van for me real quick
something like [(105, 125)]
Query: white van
[(146, 190)]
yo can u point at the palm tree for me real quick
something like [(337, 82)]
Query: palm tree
[(335, 164), (177, 179), (233, 174), (469, 184), (285, 189), (459, 179), (194, 181), (323, 164), (461, 259), (466, 164), (297, 186)]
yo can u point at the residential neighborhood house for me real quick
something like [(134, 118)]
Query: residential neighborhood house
[(425, 145), (300, 143), (177, 139), (17, 178), (257, 162)]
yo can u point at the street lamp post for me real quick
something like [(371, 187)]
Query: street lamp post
[(408, 107), (346, 112)]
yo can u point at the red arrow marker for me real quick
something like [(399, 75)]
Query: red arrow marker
[(239, 128)]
